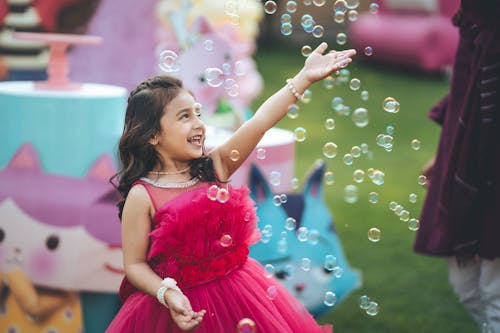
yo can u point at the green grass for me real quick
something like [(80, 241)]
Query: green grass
[(412, 290)]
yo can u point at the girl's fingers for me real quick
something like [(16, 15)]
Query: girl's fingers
[(321, 48)]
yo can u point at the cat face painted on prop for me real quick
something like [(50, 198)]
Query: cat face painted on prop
[(285, 251), (61, 241)]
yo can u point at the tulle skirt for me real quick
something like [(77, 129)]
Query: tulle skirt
[(245, 293)]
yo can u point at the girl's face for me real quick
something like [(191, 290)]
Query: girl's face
[(182, 131)]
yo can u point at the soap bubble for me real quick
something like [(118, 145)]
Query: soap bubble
[(329, 179), (270, 7), (378, 177), (276, 200), (348, 159), (266, 233), (226, 240), (318, 31), (330, 262), (351, 194), (286, 18), (355, 151), (352, 15), (352, 4), (295, 183), (330, 150), (302, 234), (422, 180), (337, 103), (330, 298), (339, 16), (355, 84), (372, 309), (269, 270), (313, 237), (391, 105), (307, 96), (261, 153), (209, 45), (330, 124), (234, 155), (360, 117), (364, 302), (365, 95), (329, 82), (168, 61), (222, 195), (293, 111), (374, 8), (306, 50), (286, 29), (389, 130), (291, 6), (412, 198), (214, 76), (358, 176), (290, 223), (275, 178), (413, 224), (212, 192), (272, 292), (300, 134), (319, 3), (368, 51), (340, 5), (374, 234), (306, 264), (373, 197), (341, 38), (246, 325), (415, 144)]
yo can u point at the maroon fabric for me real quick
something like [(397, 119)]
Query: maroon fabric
[(459, 214)]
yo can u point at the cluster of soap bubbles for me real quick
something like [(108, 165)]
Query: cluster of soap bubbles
[(279, 199), (371, 307), (220, 194), (231, 9), (386, 140), (343, 8), (404, 215)]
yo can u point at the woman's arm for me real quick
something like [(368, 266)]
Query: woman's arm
[(317, 66)]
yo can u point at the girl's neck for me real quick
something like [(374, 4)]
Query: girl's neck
[(170, 172)]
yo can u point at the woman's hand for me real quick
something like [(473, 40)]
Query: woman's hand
[(319, 66), (181, 311)]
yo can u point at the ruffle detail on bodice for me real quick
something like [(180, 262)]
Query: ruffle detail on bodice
[(196, 239)]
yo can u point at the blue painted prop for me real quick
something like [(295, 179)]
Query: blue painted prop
[(286, 254)]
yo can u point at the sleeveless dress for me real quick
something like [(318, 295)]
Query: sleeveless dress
[(203, 244)]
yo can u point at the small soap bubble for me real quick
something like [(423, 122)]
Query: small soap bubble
[(339, 16), (360, 117), (330, 298), (291, 6), (358, 176), (352, 4), (404, 215), (313, 237), (246, 325), (286, 18), (330, 262), (302, 234), (319, 3), (373, 8), (275, 178), (391, 105), (393, 205), (212, 192), (337, 103), (234, 155), (330, 124), (422, 180), (413, 224), (307, 2), (270, 7), (389, 130), (222, 195), (348, 159), (261, 153), (352, 15), (374, 234), (283, 235), (364, 302), (364, 148), (329, 179), (209, 45), (415, 144), (412, 198), (272, 292), (351, 194), (269, 270), (306, 50), (214, 76), (365, 95), (373, 197), (300, 134), (226, 240), (368, 51), (266, 233), (329, 82), (372, 309), (398, 209), (341, 38), (295, 183), (307, 96), (330, 150), (306, 20), (356, 151), (318, 31), (293, 111), (276, 200), (344, 75), (338, 271), (355, 84), (340, 5), (286, 29), (290, 223), (283, 198), (378, 177), (305, 264), (230, 7), (168, 61)]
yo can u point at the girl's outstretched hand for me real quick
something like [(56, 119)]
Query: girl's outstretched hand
[(319, 65), (181, 311)]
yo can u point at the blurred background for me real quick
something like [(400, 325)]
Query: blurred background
[(368, 123)]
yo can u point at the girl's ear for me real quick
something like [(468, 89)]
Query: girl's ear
[(154, 140)]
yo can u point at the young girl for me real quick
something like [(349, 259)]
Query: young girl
[(185, 231)]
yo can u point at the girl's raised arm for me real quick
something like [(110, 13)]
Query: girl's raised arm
[(317, 66)]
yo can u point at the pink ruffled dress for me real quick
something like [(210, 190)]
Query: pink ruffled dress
[(203, 244)]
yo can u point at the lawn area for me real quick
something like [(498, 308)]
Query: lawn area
[(412, 290)]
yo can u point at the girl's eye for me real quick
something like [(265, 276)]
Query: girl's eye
[(185, 116)]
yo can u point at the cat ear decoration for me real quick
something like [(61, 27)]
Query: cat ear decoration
[(26, 158), (258, 184), (102, 169), (314, 182)]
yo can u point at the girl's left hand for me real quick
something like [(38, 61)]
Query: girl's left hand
[(319, 66)]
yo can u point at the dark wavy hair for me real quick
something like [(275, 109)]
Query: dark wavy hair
[(146, 105)]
